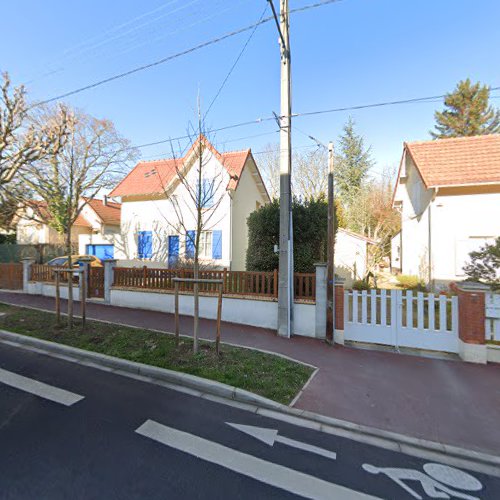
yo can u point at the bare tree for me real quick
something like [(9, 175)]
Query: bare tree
[(22, 142), (310, 177), (92, 159), (269, 165)]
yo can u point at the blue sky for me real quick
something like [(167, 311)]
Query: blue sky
[(347, 53)]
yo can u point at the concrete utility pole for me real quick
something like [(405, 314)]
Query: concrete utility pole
[(285, 281), (330, 285)]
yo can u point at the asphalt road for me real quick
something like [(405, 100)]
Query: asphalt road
[(72, 431)]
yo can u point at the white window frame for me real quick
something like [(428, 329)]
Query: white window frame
[(206, 244)]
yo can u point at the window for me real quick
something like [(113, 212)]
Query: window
[(206, 245), (145, 245)]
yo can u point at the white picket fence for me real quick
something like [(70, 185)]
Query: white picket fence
[(402, 319), (492, 329)]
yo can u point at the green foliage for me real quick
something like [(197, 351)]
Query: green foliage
[(352, 163), (485, 265), (361, 285), (310, 219), (410, 282), (467, 112)]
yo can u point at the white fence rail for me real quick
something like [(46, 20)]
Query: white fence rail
[(402, 319), (492, 329)]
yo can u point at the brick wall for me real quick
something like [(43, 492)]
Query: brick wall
[(471, 315)]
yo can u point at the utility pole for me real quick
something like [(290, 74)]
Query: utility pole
[(330, 283), (285, 280)]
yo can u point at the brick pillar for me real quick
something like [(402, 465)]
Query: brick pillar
[(339, 306), (471, 320)]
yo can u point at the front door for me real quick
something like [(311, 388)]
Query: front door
[(173, 250)]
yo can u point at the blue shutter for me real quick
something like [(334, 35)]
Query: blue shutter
[(190, 244), (145, 245), (216, 244)]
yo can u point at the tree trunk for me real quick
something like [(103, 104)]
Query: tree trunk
[(70, 279)]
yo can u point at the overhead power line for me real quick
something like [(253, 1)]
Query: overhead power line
[(310, 113), (180, 54), (237, 60)]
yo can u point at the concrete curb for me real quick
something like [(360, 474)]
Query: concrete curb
[(246, 400), (156, 373)]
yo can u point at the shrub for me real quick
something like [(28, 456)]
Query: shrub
[(309, 235), (484, 265), (360, 285), (410, 282)]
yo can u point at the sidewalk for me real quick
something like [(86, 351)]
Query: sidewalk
[(445, 401)]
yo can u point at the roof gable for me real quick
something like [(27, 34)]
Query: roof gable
[(153, 177), (109, 212)]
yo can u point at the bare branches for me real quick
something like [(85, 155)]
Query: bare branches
[(22, 141)]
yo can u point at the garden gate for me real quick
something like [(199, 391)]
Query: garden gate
[(402, 319)]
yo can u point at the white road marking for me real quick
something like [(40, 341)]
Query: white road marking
[(266, 472), (37, 388), (270, 436)]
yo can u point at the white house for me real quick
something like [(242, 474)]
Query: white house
[(158, 217), (448, 192), (351, 255), (98, 218)]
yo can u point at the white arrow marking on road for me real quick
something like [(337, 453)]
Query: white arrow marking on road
[(270, 436), (270, 473)]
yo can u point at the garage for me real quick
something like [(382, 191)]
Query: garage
[(101, 251)]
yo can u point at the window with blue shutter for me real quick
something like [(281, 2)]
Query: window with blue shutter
[(207, 194), (216, 244), (145, 244), (190, 244)]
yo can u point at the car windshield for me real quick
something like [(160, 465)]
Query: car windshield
[(58, 262)]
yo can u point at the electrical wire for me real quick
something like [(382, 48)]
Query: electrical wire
[(195, 48), (245, 45)]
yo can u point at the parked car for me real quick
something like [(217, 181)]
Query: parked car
[(76, 260)]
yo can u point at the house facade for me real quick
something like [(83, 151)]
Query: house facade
[(158, 217), (448, 193), (97, 219)]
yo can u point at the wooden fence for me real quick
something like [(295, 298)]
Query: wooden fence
[(45, 273), (11, 276), (262, 284)]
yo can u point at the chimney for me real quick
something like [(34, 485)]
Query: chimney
[(105, 200)]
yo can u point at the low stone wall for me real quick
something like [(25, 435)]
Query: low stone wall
[(244, 311)]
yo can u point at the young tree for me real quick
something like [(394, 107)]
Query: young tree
[(467, 112), (194, 197), (485, 265), (91, 159), (352, 163)]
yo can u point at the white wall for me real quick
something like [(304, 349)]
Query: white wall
[(245, 200), (115, 239), (396, 252), (462, 221), (350, 256), (258, 313)]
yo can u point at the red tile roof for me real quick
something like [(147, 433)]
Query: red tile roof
[(109, 213), (459, 161), (152, 177)]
